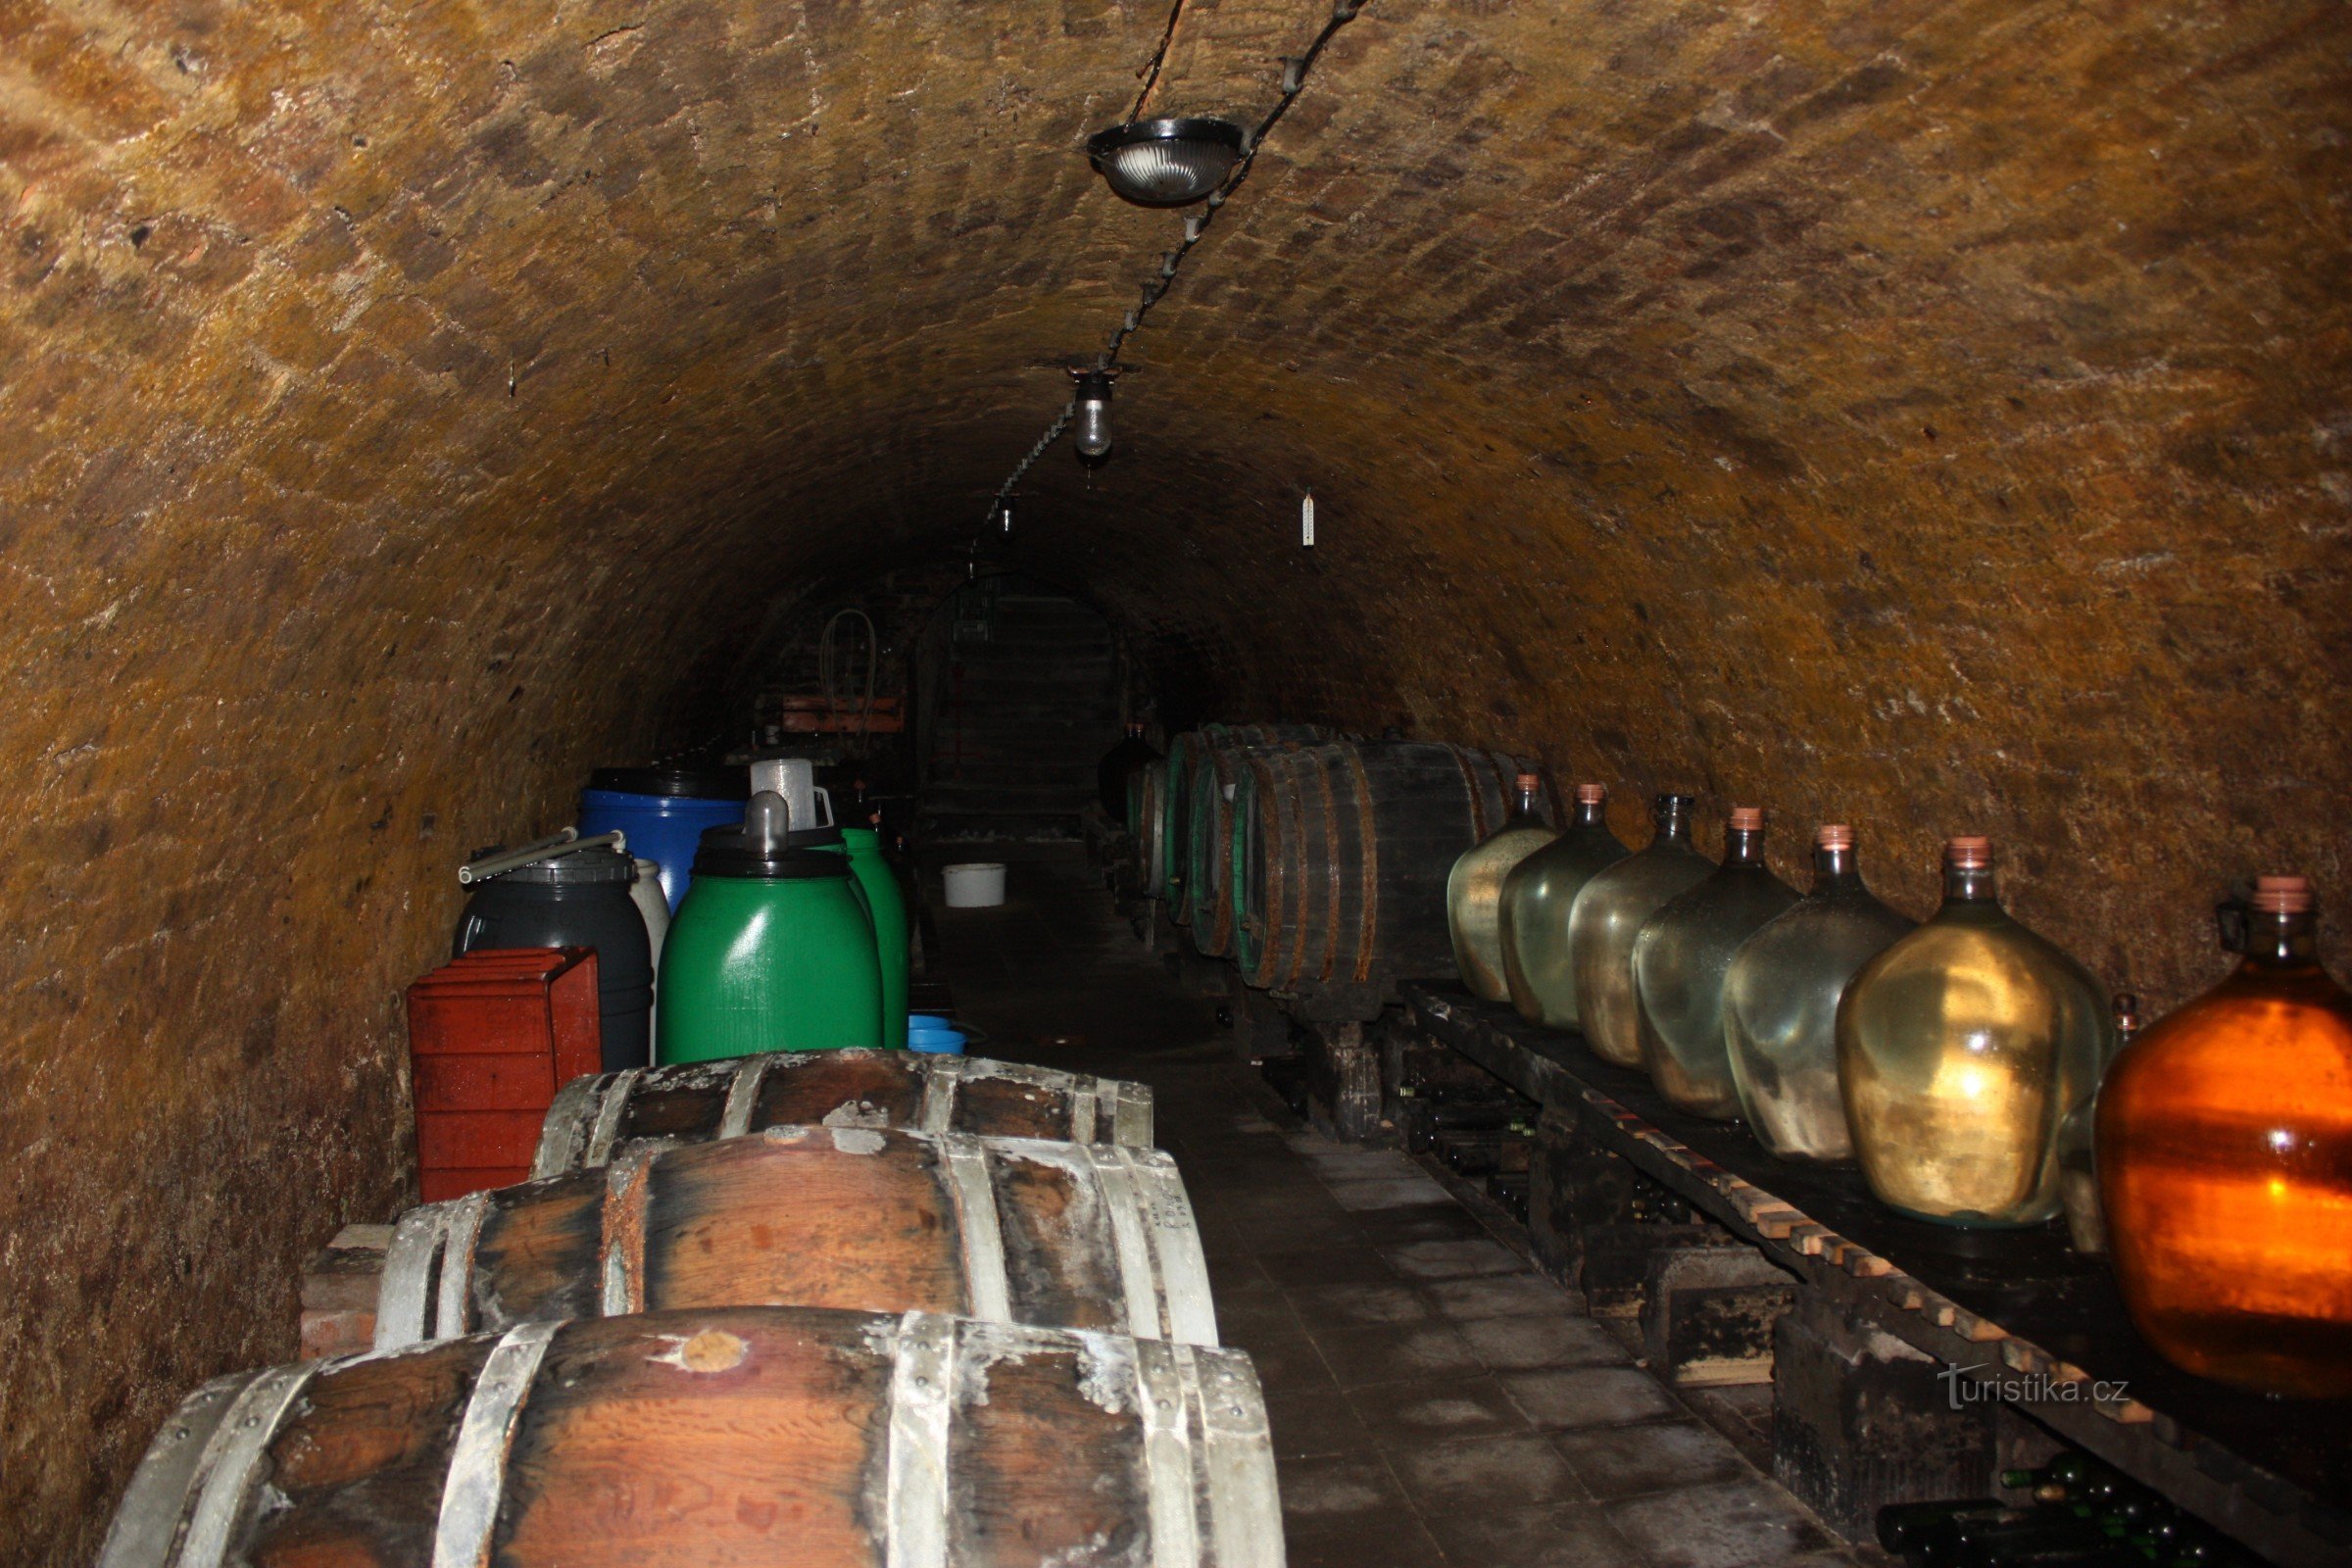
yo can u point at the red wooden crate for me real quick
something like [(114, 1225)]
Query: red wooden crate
[(492, 1036)]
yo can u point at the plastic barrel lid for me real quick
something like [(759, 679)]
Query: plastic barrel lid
[(678, 783)]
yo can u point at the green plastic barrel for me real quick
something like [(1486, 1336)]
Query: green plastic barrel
[(888, 907), (772, 949)]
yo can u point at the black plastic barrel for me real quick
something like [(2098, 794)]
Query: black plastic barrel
[(579, 899)]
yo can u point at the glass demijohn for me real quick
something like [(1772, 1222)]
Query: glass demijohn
[(2078, 1164), (1780, 1004), (1474, 891), (1609, 914), (1681, 960), (1960, 1048), (2225, 1150), (1532, 922)]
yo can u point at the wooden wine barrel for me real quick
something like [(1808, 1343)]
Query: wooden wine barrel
[(1338, 857), (1011, 1230), (698, 1439), (1207, 884), (696, 1102), (1147, 795), (1184, 758), (1176, 808)]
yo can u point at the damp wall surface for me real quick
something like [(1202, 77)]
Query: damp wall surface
[(1931, 417)]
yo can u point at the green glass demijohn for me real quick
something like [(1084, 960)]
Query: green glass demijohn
[(1780, 1004), (1537, 969), (773, 947), (1474, 891), (887, 906), (1680, 962), (1609, 914)]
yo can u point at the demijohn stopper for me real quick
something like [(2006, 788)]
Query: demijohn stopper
[(2282, 895), (1747, 819), (1592, 793), (1968, 853), (1834, 836)]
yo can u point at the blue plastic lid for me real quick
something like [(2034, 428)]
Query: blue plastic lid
[(935, 1046)]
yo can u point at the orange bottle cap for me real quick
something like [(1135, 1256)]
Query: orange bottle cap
[(1592, 793), (1969, 852), (1834, 836), (2282, 895), (1747, 819)]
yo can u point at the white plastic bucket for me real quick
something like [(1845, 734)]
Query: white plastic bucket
[(976, 886)]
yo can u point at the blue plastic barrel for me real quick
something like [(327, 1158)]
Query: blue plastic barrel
[(663, 811)]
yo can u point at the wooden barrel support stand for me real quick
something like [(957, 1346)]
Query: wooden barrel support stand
[(680, 1440)]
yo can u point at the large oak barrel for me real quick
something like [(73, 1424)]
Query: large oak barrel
[(1339, 856), (1185, 753), (704, 1439), (695, 1101), (1146, 796), (1011, 1230), (1217, 771)]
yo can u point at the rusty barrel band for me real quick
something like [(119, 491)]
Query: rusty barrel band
[(964, 1167), (477, 1462), (609, 1116), (568, 1117), (452, 1313), (406, 1293), (915, 1491), (743, 1097)]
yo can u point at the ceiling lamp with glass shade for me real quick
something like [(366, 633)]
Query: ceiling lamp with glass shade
[(1166, 162)]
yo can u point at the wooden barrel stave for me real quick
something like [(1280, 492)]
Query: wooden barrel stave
[(697, 1102), (748, 1434), (1006, 1229)]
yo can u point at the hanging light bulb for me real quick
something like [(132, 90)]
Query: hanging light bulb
[(1166, 162), (1094, 413)]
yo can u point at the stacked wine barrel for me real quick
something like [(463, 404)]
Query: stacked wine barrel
[(1196, 819), (1318, 866), (843, 1307)]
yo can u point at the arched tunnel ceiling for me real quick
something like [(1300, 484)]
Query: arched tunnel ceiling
[(1932, 414)]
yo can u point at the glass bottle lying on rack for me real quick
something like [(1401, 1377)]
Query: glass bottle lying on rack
[(1960, 1048), (1538, 966), (1474, 890), (1780, 1004), (2225, 1154), (1680, 959), (1608, 918)]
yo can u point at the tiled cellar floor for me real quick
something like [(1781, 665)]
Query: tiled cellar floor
[(1434, 1399)]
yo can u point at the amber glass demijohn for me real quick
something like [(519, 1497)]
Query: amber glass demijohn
[(1960, 1048), (1780, 1004), (1537, 898), (1474, 890), (2225, 1152), (1680, 962), (1608, 916)]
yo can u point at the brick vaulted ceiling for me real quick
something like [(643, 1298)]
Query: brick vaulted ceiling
[(1928, 413)]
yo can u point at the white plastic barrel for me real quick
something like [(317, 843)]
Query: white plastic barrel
[(978, 885)]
